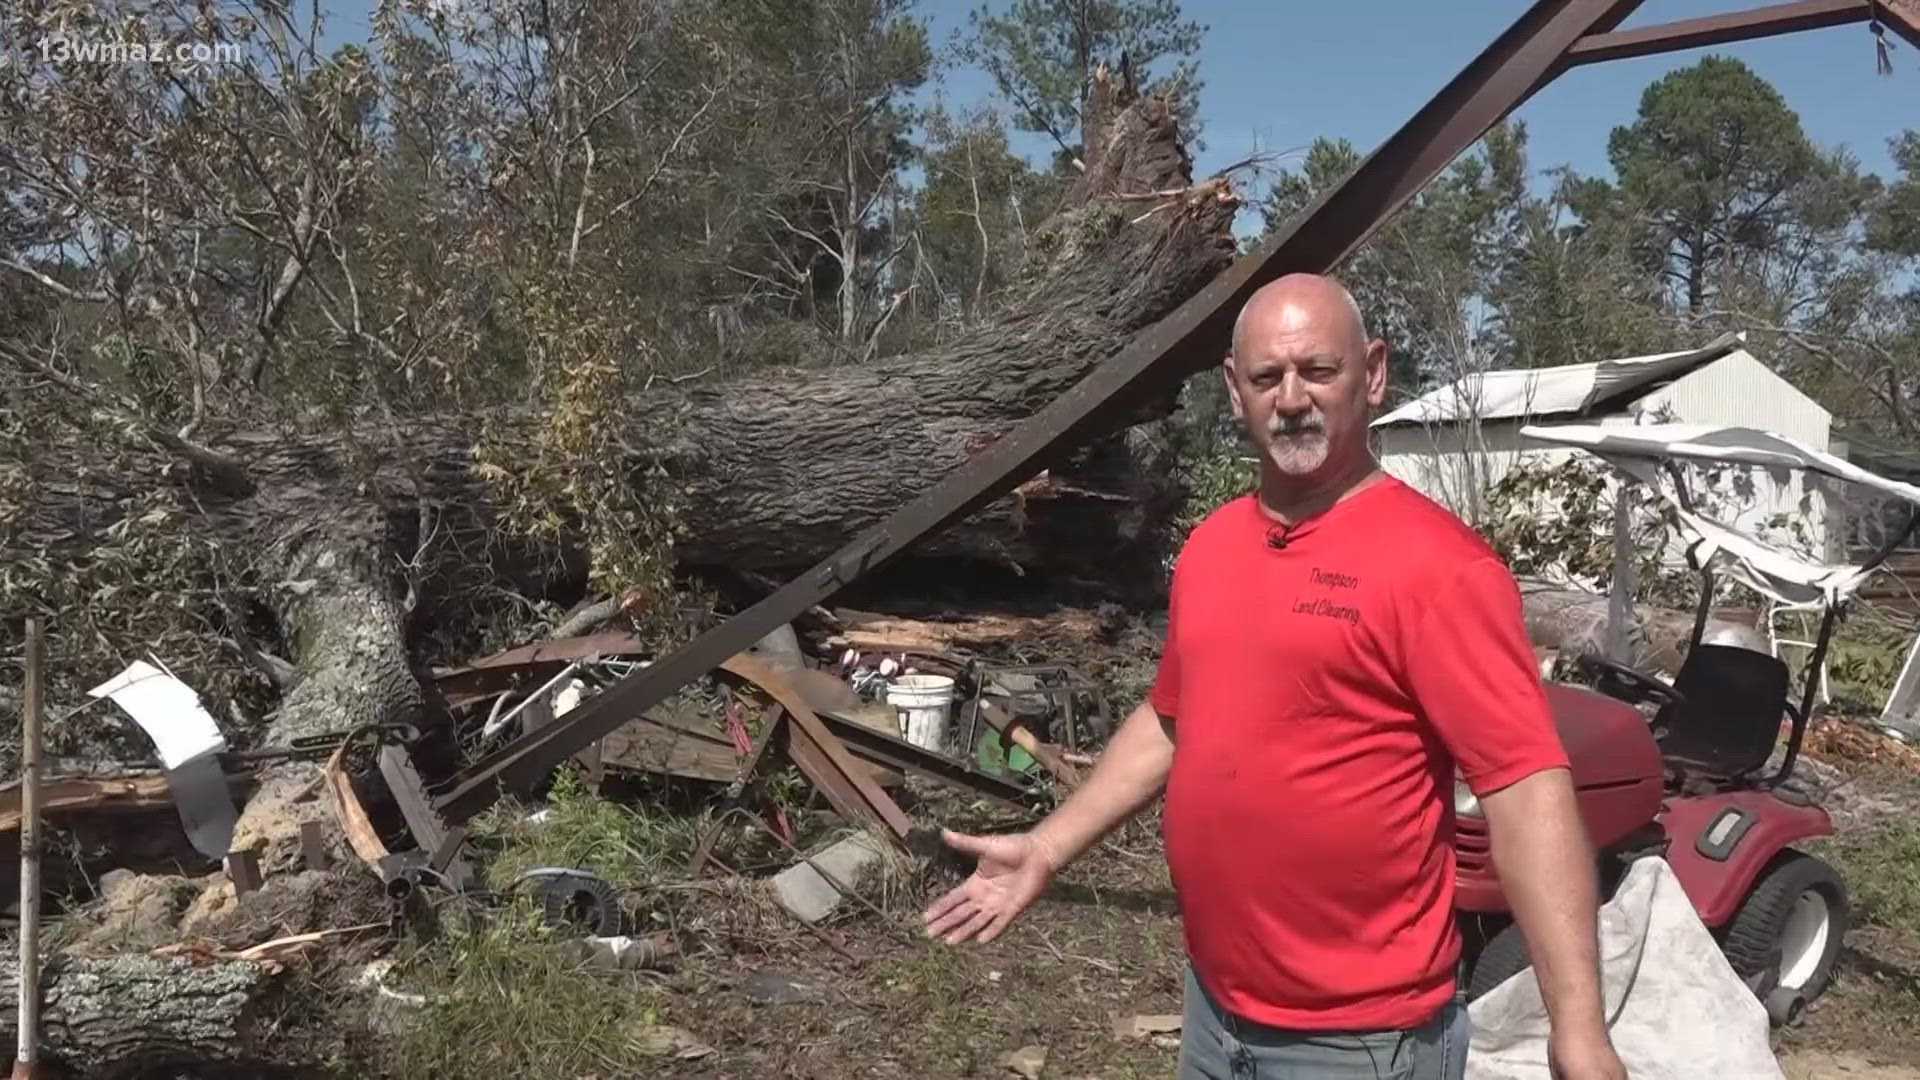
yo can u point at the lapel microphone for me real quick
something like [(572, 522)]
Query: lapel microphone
[(1277, 537)]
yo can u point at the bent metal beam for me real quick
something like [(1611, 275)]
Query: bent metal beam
[(1901, 16)]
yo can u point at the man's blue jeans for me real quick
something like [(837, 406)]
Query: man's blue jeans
[(1216, 1045)]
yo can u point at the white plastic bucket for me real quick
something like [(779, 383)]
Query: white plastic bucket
[(922, 703)]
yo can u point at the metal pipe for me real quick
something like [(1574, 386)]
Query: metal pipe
[(1620, 594), (26, 1060), (494, 724), (1702, 610), (1805, 715)]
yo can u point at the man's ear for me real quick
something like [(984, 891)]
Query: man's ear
[(1233, 388), (1377, 354)]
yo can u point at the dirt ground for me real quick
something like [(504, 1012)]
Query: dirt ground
[(869, 996), (1105, 945), (1867, 1025)]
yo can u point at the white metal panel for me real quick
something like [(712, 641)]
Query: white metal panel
[(1740, 391)]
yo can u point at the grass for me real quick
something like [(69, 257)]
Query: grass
[(626, 845), (954, 1007), (504, 998), (1882, 869)]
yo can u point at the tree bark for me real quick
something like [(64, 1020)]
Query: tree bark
[(110, 1016), (1575, 623)]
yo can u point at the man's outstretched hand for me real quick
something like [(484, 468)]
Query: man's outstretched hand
[(1011, 874)]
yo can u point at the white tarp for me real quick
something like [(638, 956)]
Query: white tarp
[(189, 743), (1674, 1007), (1551, 391)]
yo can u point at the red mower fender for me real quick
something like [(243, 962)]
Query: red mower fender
[(1719, 844)]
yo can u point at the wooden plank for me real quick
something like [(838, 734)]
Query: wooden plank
[(654, 745), (27, 1056), (817, 765)]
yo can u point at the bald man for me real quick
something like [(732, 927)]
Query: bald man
[(1339, 649)]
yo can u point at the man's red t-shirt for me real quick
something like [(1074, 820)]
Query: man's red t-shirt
[(1321, 694)]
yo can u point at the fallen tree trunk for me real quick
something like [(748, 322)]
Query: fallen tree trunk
[(1575, 622), (773, 470), (349, 543), (337, 548), (111, 1016)]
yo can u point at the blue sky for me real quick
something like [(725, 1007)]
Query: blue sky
[(1282, 72)]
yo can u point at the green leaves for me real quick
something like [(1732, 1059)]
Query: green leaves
[(1719, 175), (1894, 226)]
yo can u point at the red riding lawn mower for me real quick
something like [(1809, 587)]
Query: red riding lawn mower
[(1693, 785)]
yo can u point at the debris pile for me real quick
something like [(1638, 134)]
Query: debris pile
[(793, 785)]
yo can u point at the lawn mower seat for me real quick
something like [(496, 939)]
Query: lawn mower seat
[(1735, 699)]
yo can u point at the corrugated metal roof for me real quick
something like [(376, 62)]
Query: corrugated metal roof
[(1568, 390)]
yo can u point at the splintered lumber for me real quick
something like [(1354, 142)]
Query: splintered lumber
[(981, 631), (112, 793), (348, 811)]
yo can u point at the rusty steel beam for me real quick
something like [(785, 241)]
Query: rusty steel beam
[(872, 745), (1193, 338), (819, 753), (429, 830), (830, 775), (1902, 17), (1718, 30)]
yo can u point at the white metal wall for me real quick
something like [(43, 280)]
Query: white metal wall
[(1739, 391)]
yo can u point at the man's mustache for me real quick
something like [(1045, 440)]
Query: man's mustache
[(1311, 424)]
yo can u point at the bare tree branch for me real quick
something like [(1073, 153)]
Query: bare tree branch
[(227, 468), (659, 166), (84, 296)]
